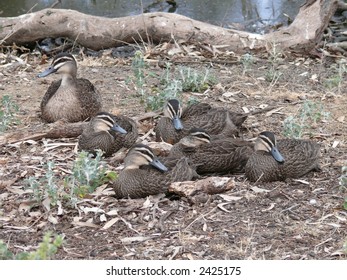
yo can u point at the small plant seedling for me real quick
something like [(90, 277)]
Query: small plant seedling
[(46, 187), (196, 81), (138, 66), (171, 83), (45, 251), (309, 114), (88, 173), (8, 110), (337, 79), (273, 74), (247, 60)]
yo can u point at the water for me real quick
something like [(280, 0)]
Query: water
[(252, 15)]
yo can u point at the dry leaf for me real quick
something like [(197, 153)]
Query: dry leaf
[(301, 181), (5, 219), (341, 119), (263, 106), (230, 197), (7, 183), (272, 205), (112, 212), (99, 190), (95, 210), (245, 109), (110, 223), (60, 208), (334, 225), (221, 206), (85, 224), (227, 101), (174, 51), (335, 144), (35, 214), (42, 224), (103, 218), (18, 190), (230, 94), (129, 240), (17, 228), (52, 219), (77, 219), (25, 206), (47, 203), (147, 203), (258, 190), (268, 114), (4, 195), (314, 77)]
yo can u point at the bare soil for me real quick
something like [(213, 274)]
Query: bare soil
[(296, 219)]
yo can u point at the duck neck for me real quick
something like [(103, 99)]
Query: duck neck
[(68, 80), (131, 167)]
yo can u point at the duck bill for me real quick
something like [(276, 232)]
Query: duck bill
[(48, 71), (177, 123), (277, 155), (157, 164), (119, 129)]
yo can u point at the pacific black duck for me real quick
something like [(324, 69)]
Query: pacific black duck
[(144, 174), (69, 98), (278, 160), (221, 155), (106, 132), (177, 123), (109, 133)]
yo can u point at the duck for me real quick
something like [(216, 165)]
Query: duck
[(177, 122), (109, 133), (69, 98), (277, 160), (145, 174), (216, 155)]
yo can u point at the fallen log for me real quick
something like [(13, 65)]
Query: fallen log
[(52, 131), (98, 32), (198, 191)]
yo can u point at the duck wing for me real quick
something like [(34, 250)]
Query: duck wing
[(89, 97), (52, 89)]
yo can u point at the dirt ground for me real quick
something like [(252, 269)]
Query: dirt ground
[(296, 219)]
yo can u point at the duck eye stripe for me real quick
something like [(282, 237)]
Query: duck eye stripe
[(201, 135), (106, 119), (145, 152), (171, 110), (267, 141), (61, 61), (179, 111)]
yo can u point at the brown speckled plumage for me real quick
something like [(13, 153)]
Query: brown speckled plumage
[(218, 156), (104, 138), (136, 181), (300, 157), (69, 98), (216, 121), (126, 140)]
